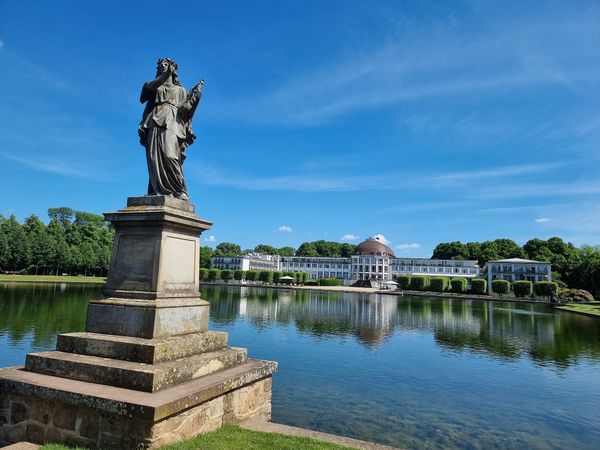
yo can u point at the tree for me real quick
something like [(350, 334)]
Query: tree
[(17, 243), (206, 254), (286, 251), (265, 249), (307, 249), (84, 218), (227, 249), (451, 250), (63, 214), (501, 287), (37, 235), (58, 252), (226, 275)]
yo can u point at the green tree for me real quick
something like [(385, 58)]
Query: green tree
[(214, 274), (500, 287), (38, 242), (523, 288), (63, 214), (206, 254), (226, 275), (239, 275), (17, 243), (451, 250), (286, 251), (265, 249), (307, 249), (227, 249)]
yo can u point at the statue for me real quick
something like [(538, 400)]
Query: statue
[(166, 129)]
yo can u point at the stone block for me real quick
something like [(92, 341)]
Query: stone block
[(146, 318), (89, 425), (18, 413), (35, 433), (65, 417), (41, 410), (132, 375)]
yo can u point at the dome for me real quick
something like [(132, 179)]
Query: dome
[(374, 246)]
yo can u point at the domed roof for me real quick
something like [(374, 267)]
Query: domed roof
[(374, 246)]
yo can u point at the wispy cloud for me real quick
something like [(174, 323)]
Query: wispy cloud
[(349, 237), (408, 247), (56, 166), (542, 220), (526, 52), (210, 238), (381, 238), (285, 229)]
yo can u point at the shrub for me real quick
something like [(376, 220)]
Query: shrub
[(523, 288), (458, 284), (251, 275), (479, 286), (214, 274), (277, 276), (576, 295), (297, 277), (266, 276), (329, 282), (204, 274), (226, 275), (419, 282), (501, 287), (545, 288), (439, 284), (305, 277), (311, 282), (239, 275), (403, 281)]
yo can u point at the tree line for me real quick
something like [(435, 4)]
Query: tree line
[(73, 242), (571, 266)]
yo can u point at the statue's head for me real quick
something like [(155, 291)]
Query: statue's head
[(163, 64)]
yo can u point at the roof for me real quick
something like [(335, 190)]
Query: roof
[(519, 260), (373, 246)]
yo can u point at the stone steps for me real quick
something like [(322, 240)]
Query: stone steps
[(150, 351), (133, 375)]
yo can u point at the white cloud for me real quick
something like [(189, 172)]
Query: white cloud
[(412, 246), (285, 229), (542, 220), (349, 237), (1, 44), (381, 238), (210, 239)]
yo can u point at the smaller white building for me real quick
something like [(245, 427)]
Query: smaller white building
[(515, 269), (251, 261)]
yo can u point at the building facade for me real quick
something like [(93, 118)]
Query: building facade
[(515, 269), (372, 260)]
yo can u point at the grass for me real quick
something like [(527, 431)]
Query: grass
[(232, 437), (592, 309), (51, 279)]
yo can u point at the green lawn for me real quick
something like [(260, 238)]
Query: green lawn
[(232, 437), (592, 308), (51, 279)]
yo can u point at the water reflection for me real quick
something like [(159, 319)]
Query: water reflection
[(502, 330)]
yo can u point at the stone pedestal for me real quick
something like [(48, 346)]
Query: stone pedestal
[(146, 372)]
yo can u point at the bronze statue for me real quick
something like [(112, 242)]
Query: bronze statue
[(166, 129)]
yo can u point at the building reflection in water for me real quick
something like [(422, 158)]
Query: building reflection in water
[(500, 329)]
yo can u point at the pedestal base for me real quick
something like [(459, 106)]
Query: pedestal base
[(41, 408)]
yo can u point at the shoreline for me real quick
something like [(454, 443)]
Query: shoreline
[(50, 279)]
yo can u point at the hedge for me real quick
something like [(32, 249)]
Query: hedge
[(226, 275), (576, 295), (439, 284), (239, 275), (214, 274), (501, 287), (329, 282), (277, 276), (479, 286), (458, 285), (545, 288), (251, 275), (419, 282), (204, 274), (403, 281), (523, 288), (266, 276), (311, 282)]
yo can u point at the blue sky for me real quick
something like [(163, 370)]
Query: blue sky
[(421, 121)]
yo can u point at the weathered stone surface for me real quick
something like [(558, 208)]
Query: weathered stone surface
[(132, 375), (35, 433), (18, 413), (89, 425), (161, 200), (147, 319), (149, 351), (65, 418), (42, 411)]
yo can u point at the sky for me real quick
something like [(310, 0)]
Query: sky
[(421, 121)]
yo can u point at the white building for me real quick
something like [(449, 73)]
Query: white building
[(372, 260), (515, 269)]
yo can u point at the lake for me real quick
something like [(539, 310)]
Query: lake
[(412, 372)]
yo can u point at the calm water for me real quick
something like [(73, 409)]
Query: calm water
[(413, 372)]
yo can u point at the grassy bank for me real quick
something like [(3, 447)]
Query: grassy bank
[(589, 309), (50, 279), (231, 437)]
